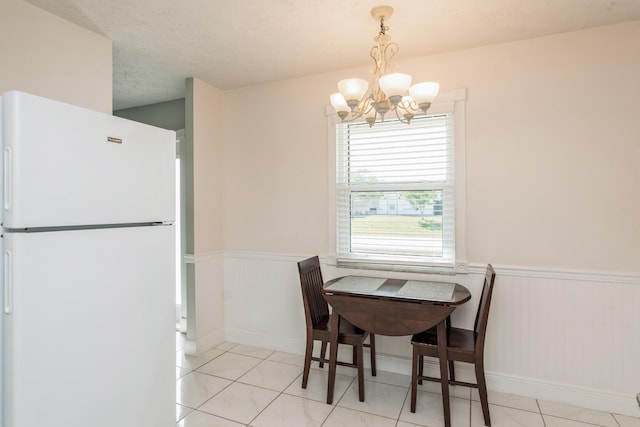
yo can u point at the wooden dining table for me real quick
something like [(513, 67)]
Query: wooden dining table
[(393, 307)]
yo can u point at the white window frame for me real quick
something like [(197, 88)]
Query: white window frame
[(451, 102)]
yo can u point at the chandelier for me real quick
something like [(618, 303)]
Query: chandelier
[(387, 91)]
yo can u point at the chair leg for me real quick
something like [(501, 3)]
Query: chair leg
[(415, 361), (444, 372), (452, 372), (372, 348), (307, 361), (323, 352), (360, 363), (420, 368), (482, 390)]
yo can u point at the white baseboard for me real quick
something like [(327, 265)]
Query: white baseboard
[(270, 342), (586, 398), (195, 347), (528, 387)]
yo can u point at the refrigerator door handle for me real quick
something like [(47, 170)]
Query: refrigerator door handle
[(7, 178), (7, 281)]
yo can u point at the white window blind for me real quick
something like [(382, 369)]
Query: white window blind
[(395, 201)]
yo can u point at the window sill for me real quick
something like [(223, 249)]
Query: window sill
[(460, 267)]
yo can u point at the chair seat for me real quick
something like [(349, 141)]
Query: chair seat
[(348, 334), (462, 339), (345, 327)]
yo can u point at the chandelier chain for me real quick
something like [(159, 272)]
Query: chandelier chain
[(383, 28)]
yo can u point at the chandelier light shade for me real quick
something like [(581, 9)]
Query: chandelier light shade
[(388, 91)]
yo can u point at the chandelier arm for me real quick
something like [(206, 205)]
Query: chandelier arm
[(353, 116), (376, 54), (389, 52), (402, 118), (410, 106), (362, 109), (364, 105)]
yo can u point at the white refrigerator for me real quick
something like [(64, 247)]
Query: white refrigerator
[(88, 268)]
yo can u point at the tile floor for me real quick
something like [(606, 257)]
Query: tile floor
[(237, 385)]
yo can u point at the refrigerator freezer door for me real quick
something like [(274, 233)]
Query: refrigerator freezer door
[(67, 166), (90, 334)]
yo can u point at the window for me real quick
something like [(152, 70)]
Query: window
[(397, 195)]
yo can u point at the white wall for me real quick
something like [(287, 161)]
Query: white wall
[(47, 56), (552, 150)]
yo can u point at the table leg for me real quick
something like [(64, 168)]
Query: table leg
[(415, 363), (444, 374), (333, 356)]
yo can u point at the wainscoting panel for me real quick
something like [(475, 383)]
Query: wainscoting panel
[(263, 303), (206, 313), (567, 336)]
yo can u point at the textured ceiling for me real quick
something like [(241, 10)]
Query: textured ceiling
[(235, 43)]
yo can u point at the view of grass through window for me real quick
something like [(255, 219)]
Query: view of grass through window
[(397, 222)]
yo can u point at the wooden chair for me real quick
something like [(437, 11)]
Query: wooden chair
[(318, 321), (463, 345)]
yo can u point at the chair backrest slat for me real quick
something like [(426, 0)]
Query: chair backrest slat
[(482, 317), (315, 306)]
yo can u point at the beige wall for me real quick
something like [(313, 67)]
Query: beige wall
[(276, 167), (208, 137), (202, 156), (552, 151), (47, 56)]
